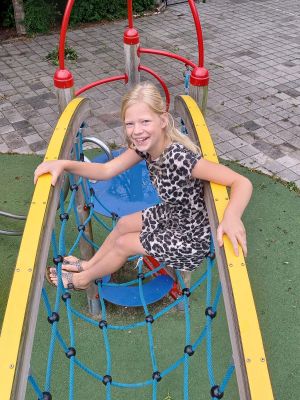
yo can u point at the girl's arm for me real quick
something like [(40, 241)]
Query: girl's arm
[(94, 171), (240, 194)]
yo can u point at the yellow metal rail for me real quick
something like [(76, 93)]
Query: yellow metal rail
[(22, 307), (247, 332)]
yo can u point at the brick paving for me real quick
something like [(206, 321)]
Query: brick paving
[(252, 50)]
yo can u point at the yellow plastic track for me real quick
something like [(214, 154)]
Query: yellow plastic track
[(248, 325), (22, 288)]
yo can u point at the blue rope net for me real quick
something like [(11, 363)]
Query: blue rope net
[(63, 318)]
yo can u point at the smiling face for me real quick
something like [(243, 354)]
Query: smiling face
[(146, 129)]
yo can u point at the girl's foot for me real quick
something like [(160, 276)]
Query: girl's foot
[(73, 264), (70, 280)]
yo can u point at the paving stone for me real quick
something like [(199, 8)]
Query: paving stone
[(273, 139), (296, 169), (288, 175), (4, 122), (38, 146), (251, 126), (249, 150), (20, 124), (23, 150), (273, 166), (224, 147), (6, 129), (4, 148), (288, 161), (235, 155), (32, 138), (237, 143), (254, 95)]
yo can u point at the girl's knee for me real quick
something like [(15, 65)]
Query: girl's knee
[(121, 245), (122, 225)]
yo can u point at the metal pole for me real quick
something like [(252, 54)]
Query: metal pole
[(200, 94), (131, 44), (63, 81), (87, 252)]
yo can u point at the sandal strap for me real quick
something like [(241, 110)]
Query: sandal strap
[(77, 264)]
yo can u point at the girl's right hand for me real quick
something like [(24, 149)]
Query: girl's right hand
[(55, 168)]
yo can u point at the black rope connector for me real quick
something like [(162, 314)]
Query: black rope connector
[(66, 296), (141, 276), (64, 216), (189, 350), (71, 352), (74, 187), (156, 376), (58, 259), (210, 312), (90, 205), (186, 292), (215, 392), (102, 324), (47, 396), (212, 255), (81, 228), (114, 216), (81, 157), (149, 318), (107, 379), (92, 192), (98, 280), (53, 318)]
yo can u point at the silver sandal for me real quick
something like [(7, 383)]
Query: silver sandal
[(77, 264)]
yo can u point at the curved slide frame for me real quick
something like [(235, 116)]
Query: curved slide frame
[(19, 323), (246, 341)]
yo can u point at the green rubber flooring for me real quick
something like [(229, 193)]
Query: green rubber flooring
[(272, 221)]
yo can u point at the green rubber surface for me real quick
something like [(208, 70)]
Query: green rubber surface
[(273, 223)]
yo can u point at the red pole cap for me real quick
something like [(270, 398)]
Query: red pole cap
[(199, 76), (63, 79), (131, 36)]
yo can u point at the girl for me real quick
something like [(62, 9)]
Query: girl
[(175, 231)]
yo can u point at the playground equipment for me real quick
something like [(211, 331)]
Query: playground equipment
[(11, 216), (20, 319)]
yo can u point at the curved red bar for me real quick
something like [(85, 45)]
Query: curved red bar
[(198, 31), (167, 54), (63, 34), (101, 82), (164, 86)]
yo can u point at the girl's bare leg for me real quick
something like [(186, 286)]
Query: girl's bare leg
[(125, 246), (128, 224)]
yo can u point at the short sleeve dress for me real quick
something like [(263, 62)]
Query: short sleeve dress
[(176, 231)]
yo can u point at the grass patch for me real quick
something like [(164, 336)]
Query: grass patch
[(272, 221)]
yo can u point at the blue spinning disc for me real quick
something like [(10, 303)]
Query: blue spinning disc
[(126, 193), (129, 296)]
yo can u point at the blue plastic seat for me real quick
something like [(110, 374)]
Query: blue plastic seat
[(129, 296), (126, 193)]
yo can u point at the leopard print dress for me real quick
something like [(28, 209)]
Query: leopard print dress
[(176, 231)]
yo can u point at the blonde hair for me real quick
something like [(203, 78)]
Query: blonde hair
[(149, 94)]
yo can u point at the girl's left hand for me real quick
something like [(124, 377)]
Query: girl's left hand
[(234, 228)]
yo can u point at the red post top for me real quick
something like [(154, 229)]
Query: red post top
[(199, 76), (63, 79), (131, 36)]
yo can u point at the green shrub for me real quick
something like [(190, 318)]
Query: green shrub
[(7, 18), (99, 10), (142, 5), (40, 16)]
